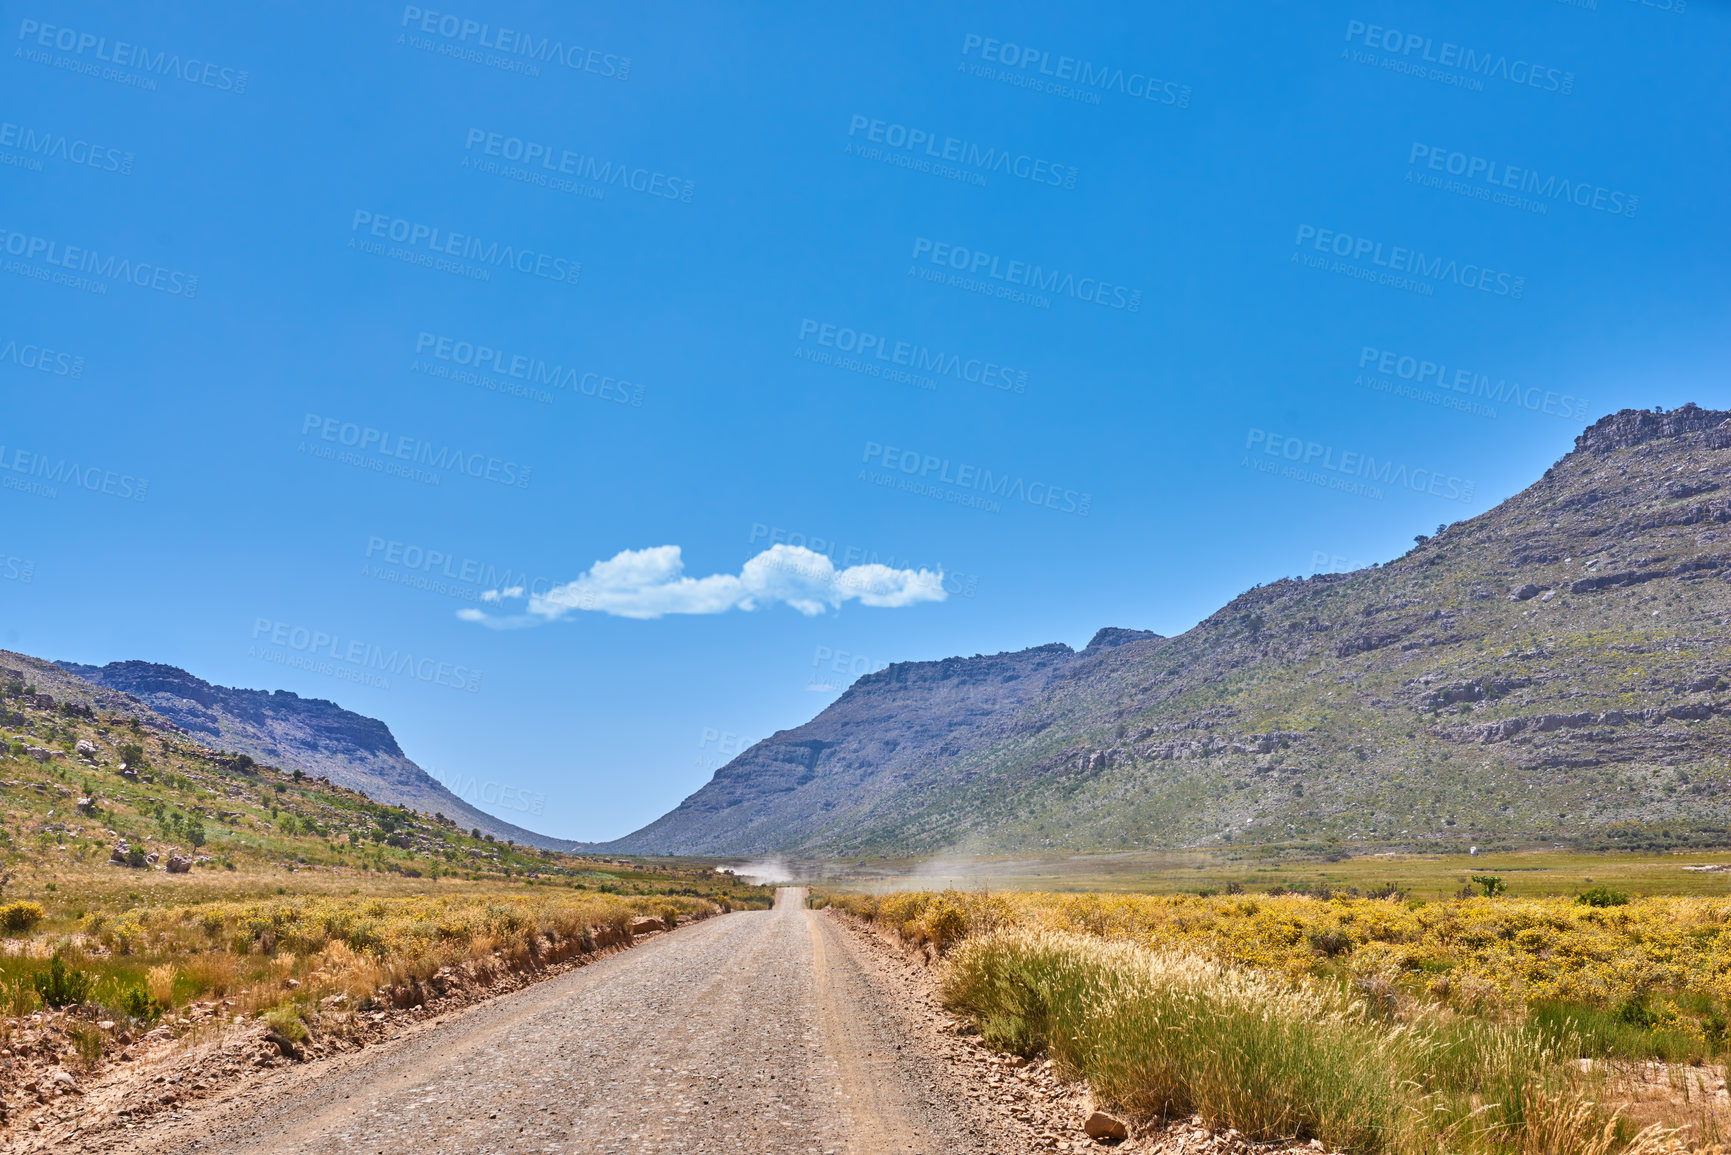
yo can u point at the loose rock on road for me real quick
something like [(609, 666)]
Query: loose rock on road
[(757, 1032)]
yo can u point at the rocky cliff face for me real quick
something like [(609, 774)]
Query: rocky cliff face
[(284, 729), (888, 729), (1632, 427), (1552, 671)]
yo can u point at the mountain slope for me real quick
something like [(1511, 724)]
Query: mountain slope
[(313, 735), (1553, 670)]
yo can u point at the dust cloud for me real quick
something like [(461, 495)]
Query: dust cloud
[(766, 872)]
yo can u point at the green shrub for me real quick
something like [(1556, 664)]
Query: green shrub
[(61, 987), (286, 1021), (140, 1004), (1602, 896), (1490, 884)]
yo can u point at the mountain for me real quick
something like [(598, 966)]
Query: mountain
[(312, 735), (1551, 671)]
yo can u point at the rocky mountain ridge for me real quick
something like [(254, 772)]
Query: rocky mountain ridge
[(312, 735), (1551, 671)]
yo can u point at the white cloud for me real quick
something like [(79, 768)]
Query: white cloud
[(649, 583)]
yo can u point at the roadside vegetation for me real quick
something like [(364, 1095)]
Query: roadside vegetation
[(295, 954), (1590, 1023)]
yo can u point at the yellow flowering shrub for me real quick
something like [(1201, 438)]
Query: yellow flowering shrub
[(1496, 953)]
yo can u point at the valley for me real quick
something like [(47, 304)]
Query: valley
[(1477, 797)]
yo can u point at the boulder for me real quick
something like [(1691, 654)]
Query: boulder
[(86, 748), (1499, 731), (119, 854), (1102, 1127), (40, 753), (1522, 592), (179, 863), (645, 925)]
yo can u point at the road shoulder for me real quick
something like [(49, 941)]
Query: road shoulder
[(973, 1098)]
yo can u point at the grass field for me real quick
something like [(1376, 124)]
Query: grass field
[(1386, 1023), (1527, 873)]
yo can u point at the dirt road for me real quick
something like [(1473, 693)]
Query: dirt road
[(756, 1032)]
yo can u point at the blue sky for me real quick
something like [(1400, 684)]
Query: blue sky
[(323, 327)]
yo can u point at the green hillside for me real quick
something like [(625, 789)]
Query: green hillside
[(102, 802), (1552, 671)]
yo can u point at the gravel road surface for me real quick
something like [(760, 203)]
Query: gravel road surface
[(758, 1032)]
